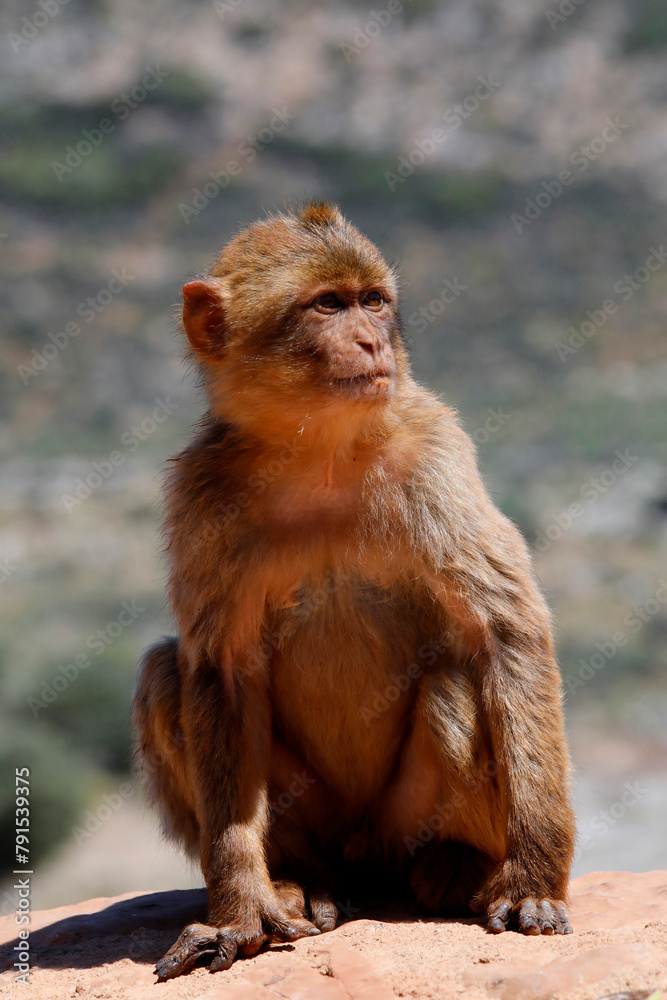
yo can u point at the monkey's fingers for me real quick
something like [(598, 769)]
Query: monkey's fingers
[(499, 914), (226, 947), (562, 923), (546, 916), (281, 926), (223, 944), (278, 927), (542, 916), (529, 916), (196, 941), (324, 910)]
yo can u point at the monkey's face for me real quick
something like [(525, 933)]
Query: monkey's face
[(345, 336), (298, 318)]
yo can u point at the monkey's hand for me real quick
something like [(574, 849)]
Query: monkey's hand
[(529, 915), (509, 905), (221, 945)]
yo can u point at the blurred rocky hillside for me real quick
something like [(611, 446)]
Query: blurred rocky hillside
[(510, 155)]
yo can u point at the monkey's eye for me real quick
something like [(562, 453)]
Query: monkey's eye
[(372, 299), (329, 302)]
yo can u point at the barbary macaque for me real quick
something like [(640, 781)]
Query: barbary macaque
[(363, 691)]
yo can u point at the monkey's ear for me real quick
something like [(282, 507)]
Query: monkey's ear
[(204, 317)]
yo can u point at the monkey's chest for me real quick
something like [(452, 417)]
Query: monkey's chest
[(346, 673)]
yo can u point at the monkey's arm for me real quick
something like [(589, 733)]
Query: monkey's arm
[(226, 722), (219, 597), (477, 565)]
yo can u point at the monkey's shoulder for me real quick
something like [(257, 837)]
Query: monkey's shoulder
[(440, 498), (205, 492), (208, 462), (433, 441)]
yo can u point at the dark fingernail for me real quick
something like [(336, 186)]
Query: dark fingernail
[(217, 965), (530, 928)]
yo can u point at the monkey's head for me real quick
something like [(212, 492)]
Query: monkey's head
[(297, 319)]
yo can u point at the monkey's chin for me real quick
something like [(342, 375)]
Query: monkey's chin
[(367, 388)]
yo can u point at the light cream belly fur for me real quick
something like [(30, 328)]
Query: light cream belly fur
[(343, 694), (349, 659)]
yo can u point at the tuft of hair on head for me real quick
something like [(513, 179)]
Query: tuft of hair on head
[(320, 213)]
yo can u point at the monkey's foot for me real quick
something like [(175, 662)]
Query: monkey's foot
[(318, 903), (221, 945), (324, 912), (530, 916)]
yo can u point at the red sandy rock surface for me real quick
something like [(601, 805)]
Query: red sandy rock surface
[(105, 948)]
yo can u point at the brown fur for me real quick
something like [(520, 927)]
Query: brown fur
[(364, 684)]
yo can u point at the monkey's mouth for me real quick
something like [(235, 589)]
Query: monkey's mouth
[(375, 383)]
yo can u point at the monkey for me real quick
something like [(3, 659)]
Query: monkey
[(363, 690)]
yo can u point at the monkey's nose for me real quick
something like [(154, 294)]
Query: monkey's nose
[(369, 347)]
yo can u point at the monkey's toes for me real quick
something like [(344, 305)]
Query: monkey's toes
[(290, 930), (530, 916), (324, 910), (320, 904)]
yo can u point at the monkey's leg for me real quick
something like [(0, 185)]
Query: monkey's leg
[(502, 765), (439, 815), (471, 861), (293, 852), (159, 751), (502, 636)]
